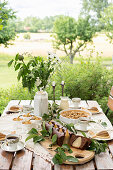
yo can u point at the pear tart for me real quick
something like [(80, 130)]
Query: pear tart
[(103, 135), (2, 136)]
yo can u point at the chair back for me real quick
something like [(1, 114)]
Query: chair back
[(110, 103)]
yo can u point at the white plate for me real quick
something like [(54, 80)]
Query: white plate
[(14, 111), (97, 138), (20, 146), (78, 127), (99, 111)]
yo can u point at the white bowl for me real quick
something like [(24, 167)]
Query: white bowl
[(74, 121)]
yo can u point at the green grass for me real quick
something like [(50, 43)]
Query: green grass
[(7, 75)]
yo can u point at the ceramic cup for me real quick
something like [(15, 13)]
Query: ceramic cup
[(76, 102), (83, 124), (27, 108), (12, 141)]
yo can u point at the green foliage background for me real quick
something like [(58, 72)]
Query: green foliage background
[(88, 79)]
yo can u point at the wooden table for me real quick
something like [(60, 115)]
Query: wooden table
[(27, 160)]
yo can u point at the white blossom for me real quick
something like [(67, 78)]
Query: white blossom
[(38, 81)]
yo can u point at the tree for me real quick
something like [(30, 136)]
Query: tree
[(93, 8), (33, 23), (8, 31), (71, 36), (107, 19)]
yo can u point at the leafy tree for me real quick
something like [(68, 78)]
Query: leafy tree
[(19, 25), (93, 8), (8, 31), (47, 23), (107, 19), (33, 23), (72, 36)]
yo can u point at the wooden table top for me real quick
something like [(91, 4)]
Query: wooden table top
[(27, 160)]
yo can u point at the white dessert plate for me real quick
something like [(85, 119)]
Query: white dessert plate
[(95, 112), (106, 139), (78, 127), (20, 146), (18, 109)]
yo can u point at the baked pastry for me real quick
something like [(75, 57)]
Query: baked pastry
[(65, 136), (80, 142)]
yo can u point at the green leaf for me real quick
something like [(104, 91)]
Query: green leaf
[(10, 63), (104, 124), (67, 147), (33, 131), (45, 116), (17, 66), (44, 133), (83, 133), (20, 73), (63, 155), (38, 139), (50, 130), (1, 27), (54, 139), (57, 159), (30, 137), (72, 159), (16, 58)]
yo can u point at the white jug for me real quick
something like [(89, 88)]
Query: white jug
[(41, 103)]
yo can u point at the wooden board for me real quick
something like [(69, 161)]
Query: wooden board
[(22, 160), (5, 160), (85, 154)]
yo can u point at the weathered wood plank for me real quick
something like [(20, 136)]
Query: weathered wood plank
[(88, 166), (110, 145), (103, 161), (5, 160), (22, 160), (41, 164), (11, 103), (63, 167), (25, 102), (92, 103)]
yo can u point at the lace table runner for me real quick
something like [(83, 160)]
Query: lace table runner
[(7, 126)]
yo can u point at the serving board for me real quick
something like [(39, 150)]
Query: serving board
[(82, 155)]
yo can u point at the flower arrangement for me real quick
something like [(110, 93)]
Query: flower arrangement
[(35, 72)]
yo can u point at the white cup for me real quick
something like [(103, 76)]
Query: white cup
[(12, 141), (27, 109), (83, 124), (76, 102)]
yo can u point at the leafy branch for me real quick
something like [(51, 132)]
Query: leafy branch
[(61, 156)]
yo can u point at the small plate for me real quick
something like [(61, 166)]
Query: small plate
[(95, 112), (78, 127), (20, 146)]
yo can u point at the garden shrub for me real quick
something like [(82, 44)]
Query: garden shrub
[(87, 80)]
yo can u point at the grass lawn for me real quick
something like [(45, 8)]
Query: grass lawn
[(7, 75)]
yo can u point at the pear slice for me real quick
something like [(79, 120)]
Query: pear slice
[(77, 142)]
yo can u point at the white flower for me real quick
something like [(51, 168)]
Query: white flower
[(38, 81)]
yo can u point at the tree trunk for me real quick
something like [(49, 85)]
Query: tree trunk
[(71, 58)]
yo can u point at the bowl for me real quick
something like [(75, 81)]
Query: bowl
[(73, 115)]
